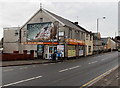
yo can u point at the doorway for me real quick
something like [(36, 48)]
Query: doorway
[(40, 51), (49, 50)]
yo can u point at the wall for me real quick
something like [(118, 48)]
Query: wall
[(111, 44), (10, 47), (16, 56), (36, 19), (88, 43), (11, 39)]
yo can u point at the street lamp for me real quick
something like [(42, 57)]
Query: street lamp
[(97, 31), (98, 22)]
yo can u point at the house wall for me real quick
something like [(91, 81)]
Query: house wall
[(10, 47), (36, 19), (89, 43), (111, 44), (11, 40)]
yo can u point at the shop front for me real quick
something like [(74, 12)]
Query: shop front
[(75, 48)]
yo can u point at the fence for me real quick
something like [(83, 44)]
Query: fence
[(17, 56)]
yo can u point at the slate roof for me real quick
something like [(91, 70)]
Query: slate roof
[(65, 21), (104, 40)]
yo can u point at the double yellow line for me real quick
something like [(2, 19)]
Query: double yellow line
[(98, 78)]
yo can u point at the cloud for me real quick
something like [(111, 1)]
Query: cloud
[(15, 12)]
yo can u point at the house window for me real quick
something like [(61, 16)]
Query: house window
[(24, 33), (16, 32), (70, 33), (41, 19), (90, 37), (89, 49), (86, 36), (61, 33)]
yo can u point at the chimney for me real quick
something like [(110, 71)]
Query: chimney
[(76, 23)]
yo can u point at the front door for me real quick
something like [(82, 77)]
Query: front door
[(50, 51)]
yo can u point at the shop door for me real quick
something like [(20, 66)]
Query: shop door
[(40, 51), (51, 50)]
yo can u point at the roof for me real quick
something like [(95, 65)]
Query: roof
[(104, 40), (65, 21), (82, 28), (11, 28)]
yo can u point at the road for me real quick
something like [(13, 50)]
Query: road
[(75, 72)]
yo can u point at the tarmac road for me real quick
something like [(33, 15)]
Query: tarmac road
[(70, 73)]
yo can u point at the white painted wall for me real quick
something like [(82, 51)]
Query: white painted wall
[(11, 39)]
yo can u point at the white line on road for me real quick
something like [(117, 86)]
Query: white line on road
[(52, 63), (23, 67), (63, 70), (69, 68), (45, 64), (22, 81), (74, 67), (103, 59), (34, 66), (8, 70), (93, 62)]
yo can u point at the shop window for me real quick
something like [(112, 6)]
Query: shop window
[(51, 50)]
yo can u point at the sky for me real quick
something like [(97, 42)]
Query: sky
[(14, 13)]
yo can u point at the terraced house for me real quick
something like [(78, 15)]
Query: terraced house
[(45, 33)]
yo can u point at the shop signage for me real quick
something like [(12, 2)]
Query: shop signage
[(71, 51), (75, 42), (40, 43)]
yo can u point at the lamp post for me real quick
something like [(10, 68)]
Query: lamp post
[(97, 30), (98, 22)]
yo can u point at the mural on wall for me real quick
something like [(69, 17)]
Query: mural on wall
[(42, 31)]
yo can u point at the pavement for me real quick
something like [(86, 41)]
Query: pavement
[(76, 72), (26, 62), (110, 80), (35, 61)]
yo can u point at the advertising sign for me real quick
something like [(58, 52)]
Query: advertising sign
[(71, 51), (60, 49), (42, 31)]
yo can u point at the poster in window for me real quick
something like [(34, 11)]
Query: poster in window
[(60, 49)]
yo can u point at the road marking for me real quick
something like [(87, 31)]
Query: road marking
[(98, 78), (22, 81), (69, 68), (74, 67), (8, 70), (34, 66), (23, 67), (103, 59), (52, 63), (93, 62), (45, 64), (89, 63), (63, 70)]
